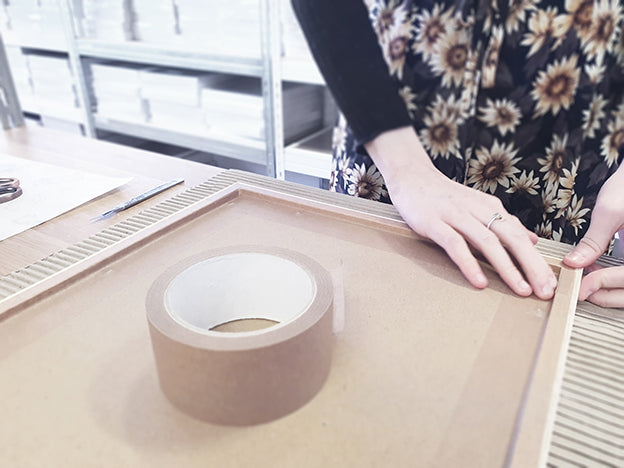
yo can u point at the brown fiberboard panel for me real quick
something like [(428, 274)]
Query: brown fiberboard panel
[(427, 371)]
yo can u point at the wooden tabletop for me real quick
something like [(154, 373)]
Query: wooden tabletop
[(147, 169), (587, 429)]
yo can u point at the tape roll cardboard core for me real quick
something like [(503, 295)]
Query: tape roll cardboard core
[(243, 325), (238, 286), (250, 376)]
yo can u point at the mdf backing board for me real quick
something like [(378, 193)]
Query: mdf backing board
[(427, 370)]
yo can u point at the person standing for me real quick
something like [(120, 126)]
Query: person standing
[(486, 123)]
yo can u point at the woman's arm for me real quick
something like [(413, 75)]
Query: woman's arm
[(602, 286), (454, 216), (350, 59)]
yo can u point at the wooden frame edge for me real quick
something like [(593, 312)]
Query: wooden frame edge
[(531, 448)]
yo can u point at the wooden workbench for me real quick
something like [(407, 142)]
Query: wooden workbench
[(146, 168), (588, 429)]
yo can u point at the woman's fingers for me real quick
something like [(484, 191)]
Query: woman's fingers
[(512, 235), (454, 229), (598, 283), (456, 217), (532, 236), (592, 267), (457, 249), (489, 243), (607, 218), (613, 298), (595, 241)]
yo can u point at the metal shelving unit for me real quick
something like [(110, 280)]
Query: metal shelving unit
[(301, 71), (270, 68), (150, 54), (29, 44), (311, 155), (248, 150), (10, 112)]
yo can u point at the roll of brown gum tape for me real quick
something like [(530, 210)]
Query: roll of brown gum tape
[(244, 377)]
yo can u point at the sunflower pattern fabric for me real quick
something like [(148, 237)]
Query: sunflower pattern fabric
[(522, 99)]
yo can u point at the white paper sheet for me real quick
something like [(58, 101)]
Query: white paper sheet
[(48, 191)]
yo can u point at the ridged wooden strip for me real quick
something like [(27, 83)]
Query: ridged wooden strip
[(39, 271)]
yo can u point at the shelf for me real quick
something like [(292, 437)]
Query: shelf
[(301, 71), (29, 104), (159, 55), (51, 109), (252, 151), (37, 45), (308, 157), (312, 155)]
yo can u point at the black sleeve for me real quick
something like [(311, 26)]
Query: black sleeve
[(348, 54)]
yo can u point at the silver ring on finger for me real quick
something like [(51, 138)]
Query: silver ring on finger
[(495, 217)]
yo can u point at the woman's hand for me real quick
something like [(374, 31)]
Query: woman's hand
[(602, 286), (455, 216)]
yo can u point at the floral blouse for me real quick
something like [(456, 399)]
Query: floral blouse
[(522, 99)]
